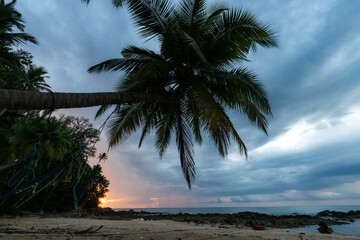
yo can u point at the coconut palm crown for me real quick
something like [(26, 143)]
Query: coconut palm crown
[(201, 49)]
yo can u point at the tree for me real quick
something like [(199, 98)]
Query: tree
[(10, 19), (194, 79), (52, 135), (198, 50), (64, 139)]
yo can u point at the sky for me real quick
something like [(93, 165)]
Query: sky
[(311, 155)]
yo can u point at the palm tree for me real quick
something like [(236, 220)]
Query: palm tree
[(187, 87), (10, 18), (53, 136), (34, 79), (199, 49)]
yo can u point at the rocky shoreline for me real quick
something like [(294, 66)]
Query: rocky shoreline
[(220, 220)]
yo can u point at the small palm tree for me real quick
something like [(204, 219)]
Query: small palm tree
[(201, 50), (34, 79), (52, 135), (102, 157)]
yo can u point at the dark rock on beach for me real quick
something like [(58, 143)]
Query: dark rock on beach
[(236, 220), (340, 215), (240, 219)]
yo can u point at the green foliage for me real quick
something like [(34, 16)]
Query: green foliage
[(58, 196), (25, 75), (31, 144), (53, 136), (199, 67), (59, 139), (17, 71), (10, 19)]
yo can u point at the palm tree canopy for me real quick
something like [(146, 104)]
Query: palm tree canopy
[(199, 63), (52, 135), (10, 18)]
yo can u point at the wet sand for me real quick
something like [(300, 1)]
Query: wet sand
[(83, 228)]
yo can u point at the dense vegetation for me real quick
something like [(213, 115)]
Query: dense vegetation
[(43, 159)]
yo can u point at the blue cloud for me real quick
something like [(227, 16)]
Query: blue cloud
[(312, 78)]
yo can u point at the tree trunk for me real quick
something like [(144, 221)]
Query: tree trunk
[(30, 100)]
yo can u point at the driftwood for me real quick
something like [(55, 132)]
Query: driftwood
[(90, 230)]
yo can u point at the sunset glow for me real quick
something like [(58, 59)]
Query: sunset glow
[(311, 152), (102, 201)]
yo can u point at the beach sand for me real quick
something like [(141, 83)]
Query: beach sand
[(69, 228)]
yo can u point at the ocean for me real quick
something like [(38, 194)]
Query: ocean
[(348, 229), (310, 210)]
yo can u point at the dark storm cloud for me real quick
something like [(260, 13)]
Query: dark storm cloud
[(313, 81)]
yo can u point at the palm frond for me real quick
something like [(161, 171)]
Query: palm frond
[(16, 38), (119, 64), (166, 122), (191, 12), (192, 113), (134, 52), (150, 123), (254, 115), (241, 145), (215, 11), (151, 16), (116, 3), (234, 34), (239, 84), (185, 147), (191, 42), (102, 110), (244, 94), (10, 18), (214, 119), (124, 123)]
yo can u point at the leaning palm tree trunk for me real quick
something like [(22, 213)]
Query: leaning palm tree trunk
[(31, 100)]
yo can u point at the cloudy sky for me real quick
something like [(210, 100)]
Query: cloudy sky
[(312, 153)]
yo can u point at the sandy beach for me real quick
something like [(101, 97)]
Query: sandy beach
[(82, 228)]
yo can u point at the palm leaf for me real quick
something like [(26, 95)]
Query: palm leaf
[(166, 121), (124, 123), (151, 16), (185, 147)]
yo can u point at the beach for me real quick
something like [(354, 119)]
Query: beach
[(84, 228)]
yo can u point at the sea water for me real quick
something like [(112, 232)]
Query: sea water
[(348, 229), (286, 210)]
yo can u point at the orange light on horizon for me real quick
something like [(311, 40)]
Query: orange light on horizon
[(102, 201)]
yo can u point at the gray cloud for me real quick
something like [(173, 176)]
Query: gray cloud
[(313, 84)]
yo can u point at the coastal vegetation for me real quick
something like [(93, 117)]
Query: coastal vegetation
[(186, 88), (41, 157)]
